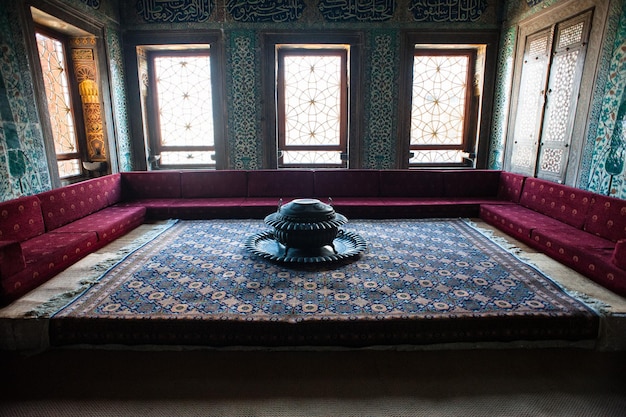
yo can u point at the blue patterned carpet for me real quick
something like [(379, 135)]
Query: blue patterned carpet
[(419, 281)]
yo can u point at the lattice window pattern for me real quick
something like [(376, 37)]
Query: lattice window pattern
[(561, 96), (524, 156), (571, 35), (56, 82), (184, 96), (311, 157), (312, 100), (538, 46), (438, 104), (551, 160), (439, 156), (530, 100)]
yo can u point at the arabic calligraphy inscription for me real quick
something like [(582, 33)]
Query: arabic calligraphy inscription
[(447, 10), (357, 10), (175, 11), (276, 11)]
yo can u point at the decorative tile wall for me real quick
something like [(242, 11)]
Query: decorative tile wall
[(23, 169), (243, 97), (607, 174), (381, 93), (605, 140)]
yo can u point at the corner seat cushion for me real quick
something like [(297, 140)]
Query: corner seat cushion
[(566, 204), (280, 183), (607, 217), (516, 220), (471, 183), (11, 258), (213, 184), (510, 187), (109, 223), (21, 219)]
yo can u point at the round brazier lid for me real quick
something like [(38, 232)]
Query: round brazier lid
[(305, 213)]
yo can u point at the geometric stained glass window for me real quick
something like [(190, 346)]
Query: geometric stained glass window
[(312, 107), (440, 95), (185, 108), (56, 81)]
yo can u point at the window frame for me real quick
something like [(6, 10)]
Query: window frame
[(142, 131), (70, 22), (342, 147), (154, 116), (466, 140), (75, 105), (479, 118), (269, 42)]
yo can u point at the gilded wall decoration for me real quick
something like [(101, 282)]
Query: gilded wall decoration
[(85, 73), (276, 11), (175, 11), (447, 11), (357, 10)]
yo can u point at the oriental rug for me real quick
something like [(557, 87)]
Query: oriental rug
[(418, 282)]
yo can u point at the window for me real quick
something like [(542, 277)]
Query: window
[(312, 81), (548, 83), (177, 84), (52, 57), (446, 98), (312, 107), (440, 105), (182, 91)]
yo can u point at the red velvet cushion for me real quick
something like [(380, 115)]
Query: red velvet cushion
[(471, 183), (280, 183), (516, 220), (11, 258), (346, 183), (566, 204), (57, 249), (209, 184), (63, 205), (151, 184), (619, 254), (411, 183), (108, 223), (111, 187), (510, 187), (607, 217), (21, 219)]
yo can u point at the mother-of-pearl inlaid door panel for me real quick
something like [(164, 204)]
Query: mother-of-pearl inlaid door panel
[(543, 119)]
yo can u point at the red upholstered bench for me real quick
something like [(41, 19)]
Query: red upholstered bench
[(42, 235)]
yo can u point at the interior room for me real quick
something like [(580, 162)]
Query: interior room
[(313, 207)]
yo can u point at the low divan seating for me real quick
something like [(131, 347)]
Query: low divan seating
[(40, 235)]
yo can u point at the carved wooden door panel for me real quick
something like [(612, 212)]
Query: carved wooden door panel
[(543, 115), (526, 120), (566, 69)]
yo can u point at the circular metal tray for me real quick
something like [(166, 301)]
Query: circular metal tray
[(347, 245)]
